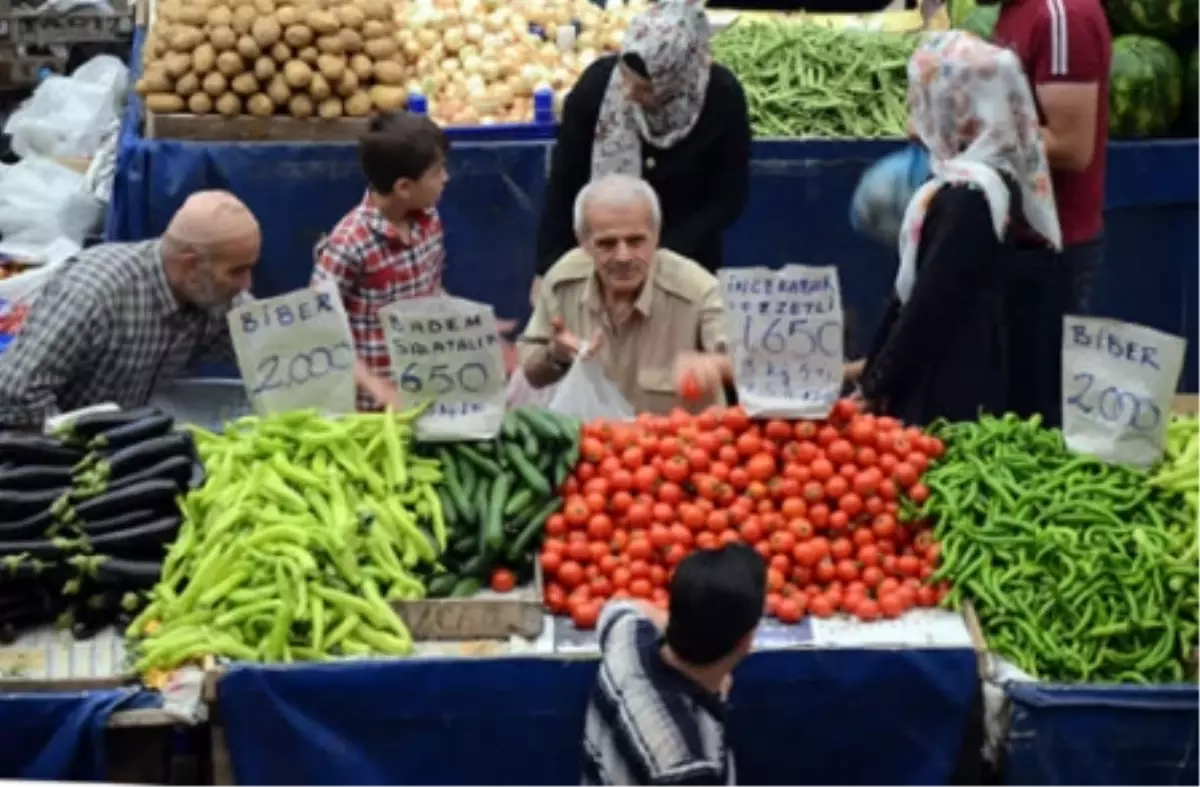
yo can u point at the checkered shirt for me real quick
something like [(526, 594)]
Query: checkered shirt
[(105, 328), (373, 267)]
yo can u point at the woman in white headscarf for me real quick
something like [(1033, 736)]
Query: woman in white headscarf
[(664, 111), (943, 350)]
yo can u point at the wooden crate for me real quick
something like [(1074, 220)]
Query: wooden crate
[(245, 128)]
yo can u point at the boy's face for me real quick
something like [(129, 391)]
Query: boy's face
[(424, 192)]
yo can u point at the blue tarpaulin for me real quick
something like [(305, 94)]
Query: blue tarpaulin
[(1102, 735), (796, 717), (61, 735)]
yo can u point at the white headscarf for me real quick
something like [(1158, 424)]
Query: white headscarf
[(970, 104), (671, 38)]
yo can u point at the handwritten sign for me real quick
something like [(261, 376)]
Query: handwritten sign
[(1118, 383), (785, 338), (448, 349), (295, 351)]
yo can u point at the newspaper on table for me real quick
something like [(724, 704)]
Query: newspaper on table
[(785, 338), (448, 350), (1118, 382), (295, 351)]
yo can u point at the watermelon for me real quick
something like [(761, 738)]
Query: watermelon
[(1193, 89), (1160, 18), (981, 21), (1145, 87)]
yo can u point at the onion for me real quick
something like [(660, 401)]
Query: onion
[(453, 39), (426, 37), (474, 32)]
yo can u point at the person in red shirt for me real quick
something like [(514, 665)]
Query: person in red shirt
[(1065, 47)]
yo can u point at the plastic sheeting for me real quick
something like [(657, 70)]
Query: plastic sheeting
[(61, 735), (798, 717), (1111, 735)]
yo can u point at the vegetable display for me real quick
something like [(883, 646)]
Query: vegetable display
[(1145, 87), (818, 500), (1079, 571), (1180, 470), (497, 495), (810, 80), (304, 532)]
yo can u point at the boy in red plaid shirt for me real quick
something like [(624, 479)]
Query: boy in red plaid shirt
[(391, 245)]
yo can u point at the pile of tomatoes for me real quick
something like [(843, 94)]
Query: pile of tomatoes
[(819, 500)]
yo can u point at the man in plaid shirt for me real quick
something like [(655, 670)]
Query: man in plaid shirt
[(122, 317), (390, 246)]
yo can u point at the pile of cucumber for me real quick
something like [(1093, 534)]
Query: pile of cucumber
[(497, 495), (85, 514)]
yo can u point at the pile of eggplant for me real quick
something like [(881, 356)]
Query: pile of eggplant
[(86, 514)]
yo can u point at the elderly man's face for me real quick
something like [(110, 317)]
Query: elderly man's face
[(621, 240)]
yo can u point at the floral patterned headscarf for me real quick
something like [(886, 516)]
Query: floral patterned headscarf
[(970, 104), (671, 38)]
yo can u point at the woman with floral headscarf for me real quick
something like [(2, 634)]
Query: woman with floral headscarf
[(664, 111), (944, 347)]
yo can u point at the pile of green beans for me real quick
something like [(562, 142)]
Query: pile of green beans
[(302, 534), (1080, 571), (809, 80)]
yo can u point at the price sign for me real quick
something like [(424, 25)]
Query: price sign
[(448, 349), (295, 352), (785, 337), (1118, 383)]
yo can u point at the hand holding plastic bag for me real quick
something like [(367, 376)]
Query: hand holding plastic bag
[(882, 195), (586, 392)]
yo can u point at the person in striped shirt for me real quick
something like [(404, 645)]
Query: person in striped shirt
[(657, 712)]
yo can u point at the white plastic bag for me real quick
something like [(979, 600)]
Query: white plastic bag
[(520, 393), (586, 393), (69, 117), (41, 204)]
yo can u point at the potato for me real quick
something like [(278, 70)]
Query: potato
[(331, 44), (350, 16), (389, 72), (204, 57), (155, 80), (214, 83), (373, 28), (362, 67), (164, 103), (352, 40), (297, 73), (264, 69), (331, 67), (200, 104), (287, 16), (319, 88), (376, 9), (266, 31), (264, 6), (248, 48), (244, 84), (260, 105), (347, 85), (185, 38), (220, 16), (330, 108), (380, 48), (387, 98), (243, 19), (322, 22), (177, 64), (279, 91), (309, 54), (187, 84), (190, 15), (222, 38), (229, 105), (358, 105), (230, 64), (281, 52), (298, 36), (301, 106)]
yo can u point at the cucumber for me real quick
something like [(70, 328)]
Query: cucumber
[(493, 534), (523, 543), (517, 502), (449, 506), (466, 546), (441, 586), (482, 463), (467, 586), (481, 500), (475, 567), (542, 424), (526, 470)]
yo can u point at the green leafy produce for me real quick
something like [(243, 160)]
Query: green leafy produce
[(1162, 18), (1145, 90), (809, 80), (304, 531), (1180, 470), (1079, 571), (497, 496)]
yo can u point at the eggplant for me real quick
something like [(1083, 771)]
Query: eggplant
[(85, 427), (154, 493), (16, 506), (147, 453), (41, 549), (156, 424), (128, 573), (35, 525), (124, 521), (176, 468), (142, 537), (36, 449), (32, 477)]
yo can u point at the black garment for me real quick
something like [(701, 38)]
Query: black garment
[(701, 181), (944, 353), (1038, 292)]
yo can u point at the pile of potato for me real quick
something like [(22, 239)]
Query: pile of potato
[(304, 58)]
